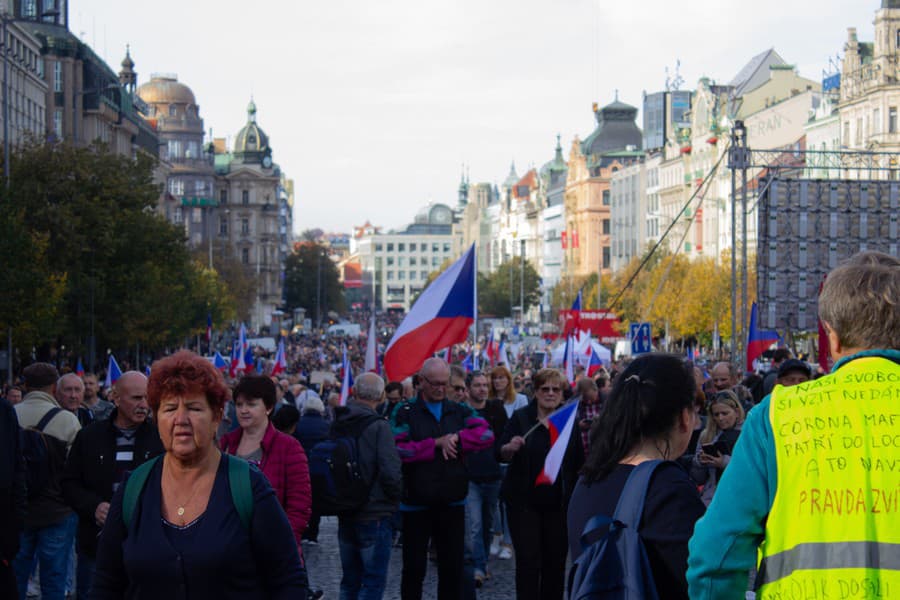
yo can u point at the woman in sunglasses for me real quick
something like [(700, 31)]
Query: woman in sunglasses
[(537, 511)]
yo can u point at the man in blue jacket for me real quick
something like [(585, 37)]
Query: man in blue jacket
[(811, 485)]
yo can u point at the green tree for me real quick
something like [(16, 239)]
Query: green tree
[(239, 282), (310, 277), (501, 290), (126, 272)]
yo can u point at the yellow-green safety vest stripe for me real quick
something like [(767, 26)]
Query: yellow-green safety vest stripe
[(834, 526)]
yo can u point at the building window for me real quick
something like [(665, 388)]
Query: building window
[(435, 248), (401, 247), (859, 131), (892, 119), (447, 247), (605, 226), (29, 8), (423, 275), (876, 121), (412, 275), (58, 123), (423, 247), (245, 197), (606, 257), (605, 197), (390, 247), (172, 110), (245, 226), (390, 261), (223, 196), (378, 247), (57, 77), (435, 261), (412, 248), (401, 275), (390, 275), (200, 188), (223, 226), (245, 256), (401, 261), (412, 261)]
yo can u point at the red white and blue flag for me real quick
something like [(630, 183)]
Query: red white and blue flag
[(560, 423), (595, 363), (113, 372), (573, 323), (758, 340), (440, 317), (371, 365), (502, 354), (347, 379), (79, 368), (219, 361), (238, 360), (490, 349), (280, 361), (569, 360)]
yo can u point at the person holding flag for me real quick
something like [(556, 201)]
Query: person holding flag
[(544, 458)]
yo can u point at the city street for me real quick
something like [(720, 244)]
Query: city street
[(324, 565)]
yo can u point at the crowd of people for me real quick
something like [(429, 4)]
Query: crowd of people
[(187, 483)]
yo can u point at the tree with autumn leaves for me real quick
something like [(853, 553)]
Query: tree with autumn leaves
[(690, 299)]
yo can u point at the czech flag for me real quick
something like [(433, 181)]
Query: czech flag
[(595, 363), (502, 354), (569, 360), (219, 361), (79, 368), (235, 359), (758, 339), (242, 345), (490, 349), (372, 349), (560, 424), (347, 380), (113, 372), (468, 362), (440, 317), (280, 361), (574, 322)]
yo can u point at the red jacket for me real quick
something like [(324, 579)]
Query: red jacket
[(284, 465)]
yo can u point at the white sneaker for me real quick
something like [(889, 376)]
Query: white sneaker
[(505, 552), (495, 545)]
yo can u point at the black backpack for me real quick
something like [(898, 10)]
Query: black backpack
[(616, 567), (338, 486), (43, 454)]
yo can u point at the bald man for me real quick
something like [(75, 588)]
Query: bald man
[(101, 456)]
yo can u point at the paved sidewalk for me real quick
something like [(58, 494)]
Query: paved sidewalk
[(324, 565)]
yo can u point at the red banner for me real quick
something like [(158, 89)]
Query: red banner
[(601, 323), (563, 236)]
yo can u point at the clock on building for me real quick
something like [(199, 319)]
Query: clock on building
[(441, 215), (267, 161)]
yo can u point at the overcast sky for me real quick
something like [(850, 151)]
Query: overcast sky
[(372, 107)]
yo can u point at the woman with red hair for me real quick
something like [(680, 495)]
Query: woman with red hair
[(195, 522)]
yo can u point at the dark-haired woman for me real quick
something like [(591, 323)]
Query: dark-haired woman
[(649, 415), (280, 456), (185, 536), (537, 513)]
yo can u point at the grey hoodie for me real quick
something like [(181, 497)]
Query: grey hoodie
[(378, 459)]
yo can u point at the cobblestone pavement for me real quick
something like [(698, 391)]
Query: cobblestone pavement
[(324, 565)]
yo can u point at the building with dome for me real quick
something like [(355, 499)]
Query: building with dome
[(171, 108), (614, 144), (395, 266), (254, 212), (83, 98)]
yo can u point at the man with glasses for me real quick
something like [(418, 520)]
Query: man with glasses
[(458, 391), (433, 434)]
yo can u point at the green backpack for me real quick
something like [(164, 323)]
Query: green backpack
[(238, 479)]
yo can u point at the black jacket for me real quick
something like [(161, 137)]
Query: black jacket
[(13, 499), (483, 465), (518, 486), (434, 481), (90, 472)]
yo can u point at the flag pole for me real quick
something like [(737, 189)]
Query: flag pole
[(475, 299)]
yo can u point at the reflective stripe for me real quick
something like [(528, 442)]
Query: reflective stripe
[(834, 555)]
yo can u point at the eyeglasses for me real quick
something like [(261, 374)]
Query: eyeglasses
[(549, 389), (459, 388), (435, 383)]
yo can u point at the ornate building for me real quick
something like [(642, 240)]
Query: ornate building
[(83, 97), (171, 108), (870, 86), (614, 144), (253, 213)]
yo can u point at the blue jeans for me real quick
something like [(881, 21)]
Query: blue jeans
[(51, 546), (480, 505), (365, 554)]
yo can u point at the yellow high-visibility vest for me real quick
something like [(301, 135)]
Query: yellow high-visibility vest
[(834, 527)]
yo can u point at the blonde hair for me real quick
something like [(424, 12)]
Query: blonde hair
[(729, 399)]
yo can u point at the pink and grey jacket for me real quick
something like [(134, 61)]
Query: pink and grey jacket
[(284, 465), (428, 478)]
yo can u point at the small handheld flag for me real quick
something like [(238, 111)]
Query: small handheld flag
[(219, 361), (372, 348), (280, 361), (560, 423), (112, 372), (758, 339), (347, 381), (79, 368)]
